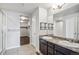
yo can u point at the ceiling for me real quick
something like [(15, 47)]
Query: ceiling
[(28, 8), (23, 7), (65, 7)]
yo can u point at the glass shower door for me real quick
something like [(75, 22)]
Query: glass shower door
[(1, 41), (77, 28), (3, 32), (4, 25)]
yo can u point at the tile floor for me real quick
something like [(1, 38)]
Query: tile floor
[(23, 50)]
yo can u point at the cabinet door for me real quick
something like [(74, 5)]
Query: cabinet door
[(58, 53), (43, 48), (74, 53), (50, 48), (62, 50)]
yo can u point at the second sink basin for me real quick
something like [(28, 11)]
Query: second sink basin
[(69, 44)]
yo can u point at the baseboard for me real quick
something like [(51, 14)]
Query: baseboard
[(2, 52), (24, 36), (37, 49), (12, 47)]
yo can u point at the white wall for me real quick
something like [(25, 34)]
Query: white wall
[(50, 20), (24, 31), (45, 15), (42, 18), (39, 15), (59, 29)]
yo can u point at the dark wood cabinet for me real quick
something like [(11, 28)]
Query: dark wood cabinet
[(74, 53), (63, 50), (43, 47), (48, 48), (58, 53), (24, 40)]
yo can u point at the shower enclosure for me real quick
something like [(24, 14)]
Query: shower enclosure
[(3, 31)]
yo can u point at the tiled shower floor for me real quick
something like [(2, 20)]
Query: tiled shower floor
[(23, 50)]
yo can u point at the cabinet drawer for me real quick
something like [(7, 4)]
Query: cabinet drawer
[(74, 53), (50, 53), (50, 50), (43, 48), (50, 44), (44, 52), (58, 53), (62, 50)]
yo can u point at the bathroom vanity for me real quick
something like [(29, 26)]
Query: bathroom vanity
[(55, 46)]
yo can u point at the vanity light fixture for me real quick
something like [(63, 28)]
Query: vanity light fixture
[(57, 6), (23, 18)]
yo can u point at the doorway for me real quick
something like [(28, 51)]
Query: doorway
[(24, 30)]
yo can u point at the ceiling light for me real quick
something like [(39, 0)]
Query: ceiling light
[(57, 6), (21, 21), (54, 6), (23, 18)]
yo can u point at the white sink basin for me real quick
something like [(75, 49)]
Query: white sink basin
[(69, 44), (47, 37)]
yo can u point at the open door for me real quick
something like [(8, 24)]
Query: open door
[(24, 31)]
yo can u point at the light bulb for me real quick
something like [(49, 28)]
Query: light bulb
[(23, 17), (21, 21), (57, 5)]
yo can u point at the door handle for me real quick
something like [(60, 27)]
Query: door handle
[(75, 33)]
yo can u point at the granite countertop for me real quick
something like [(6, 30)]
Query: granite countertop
[(64, 43)]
